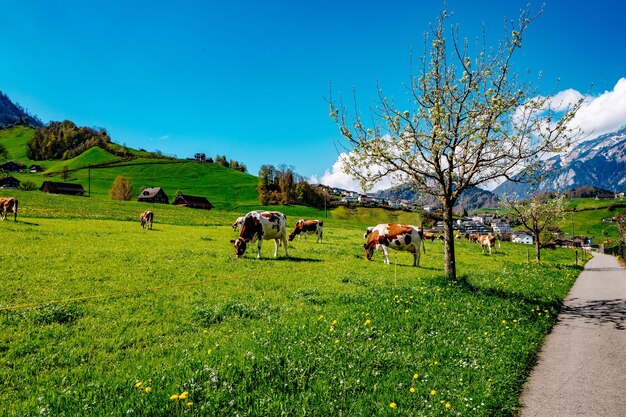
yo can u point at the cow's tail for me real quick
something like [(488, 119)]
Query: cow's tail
[(421, 233), (15, 211)]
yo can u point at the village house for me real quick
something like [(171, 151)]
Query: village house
[(153, 195), (524, 238), (501, 227)]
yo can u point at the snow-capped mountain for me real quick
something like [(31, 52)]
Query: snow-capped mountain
[(600, 162)]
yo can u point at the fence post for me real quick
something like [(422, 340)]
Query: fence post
[(576, 256)]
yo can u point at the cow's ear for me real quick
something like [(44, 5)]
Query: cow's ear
[(232, 241)]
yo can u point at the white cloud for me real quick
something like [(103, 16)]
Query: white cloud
[(336, 177), (599, 114)]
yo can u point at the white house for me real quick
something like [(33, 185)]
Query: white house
[(523, 238), (501, 228)]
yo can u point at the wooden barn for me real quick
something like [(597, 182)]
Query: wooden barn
[(185, 200), (12, 166), (9, 183), (62, 188), (153, 195)]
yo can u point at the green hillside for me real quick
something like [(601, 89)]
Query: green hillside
[(96, 170)]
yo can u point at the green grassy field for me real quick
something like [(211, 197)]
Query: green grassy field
[(99, 317)]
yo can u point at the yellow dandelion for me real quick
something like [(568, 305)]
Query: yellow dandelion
[(138, 384), (441, 401), (209, 351), (148, 390), (393, 405), (448, 405), (320, 317), (407, 310), (334, 322), (436, 362), (368, 321), (189, 403), (332, 329), (433, 392), (415, 376), (503, 321), (336, 340), (183, 396), (412, 389), (174, 397)]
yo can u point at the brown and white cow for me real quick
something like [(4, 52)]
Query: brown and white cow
[(429, 236), (238, 223), (368, 231), (395, 236), (8, 205), (146, 218), (260, 226), (487, 241), (306, 227)]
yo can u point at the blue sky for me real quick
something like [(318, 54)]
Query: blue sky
[(249, 79)]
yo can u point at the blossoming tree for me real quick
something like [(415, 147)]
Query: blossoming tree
[(472, 121), (536, 214)]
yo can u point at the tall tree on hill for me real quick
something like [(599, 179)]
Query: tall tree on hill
[(473, 121)]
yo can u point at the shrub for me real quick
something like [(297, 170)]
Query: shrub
[(122, 189)]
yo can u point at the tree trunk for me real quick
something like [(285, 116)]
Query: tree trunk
[(537, 248), (448, 230)]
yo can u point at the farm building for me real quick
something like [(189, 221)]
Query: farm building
[(153, 195), (62, 188), (9, 183), (192, 201), (12, 166)]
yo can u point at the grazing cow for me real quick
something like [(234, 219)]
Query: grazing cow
[(473, 238), (146, 219), (238, 223), (487, 241), (305, 227), (396, 236), (260, 226), (8, 205), (429, 236), (368, 231)]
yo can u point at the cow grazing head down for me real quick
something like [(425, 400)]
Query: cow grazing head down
[(306, 227), (8, 205), (146, 218), (399, 237), (259, 226)]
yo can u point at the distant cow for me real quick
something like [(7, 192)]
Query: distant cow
[(238, 223), (473, 238), (429, 236), (8, 205), (146, 218), (396, 236), (260, 226), (487, 241), (306, 227)]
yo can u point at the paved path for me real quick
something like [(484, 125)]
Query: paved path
[(581, 369)]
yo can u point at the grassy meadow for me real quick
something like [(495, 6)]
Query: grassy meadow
[(100, 317)]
